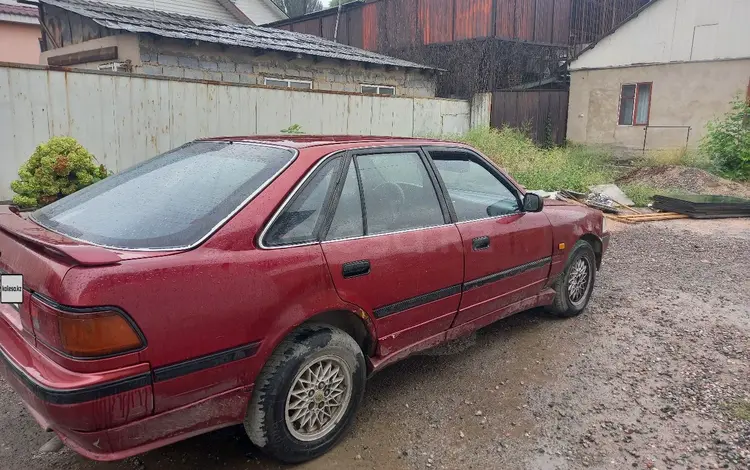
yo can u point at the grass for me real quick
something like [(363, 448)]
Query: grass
[(573, 167), (675, 156), (740, 410)]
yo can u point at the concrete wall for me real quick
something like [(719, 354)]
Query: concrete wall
[(19, 42), (675, 31), (124, 119), (685, 94), (177, 58)]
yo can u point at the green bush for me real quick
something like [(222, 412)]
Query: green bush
[(59, 167), (573, 167), (727, 142)]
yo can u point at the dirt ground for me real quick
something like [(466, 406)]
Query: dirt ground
[(655, 374), (685, 179)]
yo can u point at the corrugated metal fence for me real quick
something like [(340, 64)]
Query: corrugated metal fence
[(543, 113), (124, 119)]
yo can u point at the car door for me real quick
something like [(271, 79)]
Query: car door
[(507, 251), (392, 249)]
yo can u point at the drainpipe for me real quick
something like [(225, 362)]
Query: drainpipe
[(338, 16)]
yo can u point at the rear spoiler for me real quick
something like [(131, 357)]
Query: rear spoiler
[(12, 223)]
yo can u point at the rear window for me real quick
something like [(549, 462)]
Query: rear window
[(171, 201)]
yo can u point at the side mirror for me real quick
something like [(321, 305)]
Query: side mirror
[(532, 203)]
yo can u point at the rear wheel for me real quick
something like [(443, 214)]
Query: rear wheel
[(576, 283), (307, 394)]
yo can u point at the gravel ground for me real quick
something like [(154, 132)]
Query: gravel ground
[(655, 374)]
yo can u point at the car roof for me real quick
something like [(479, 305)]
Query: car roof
[(301, 141)]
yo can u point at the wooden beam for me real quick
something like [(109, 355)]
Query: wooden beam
[(83, 57)]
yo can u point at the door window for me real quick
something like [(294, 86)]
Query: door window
[(398, 193), (476, 192), (301, 220), (347, 220)]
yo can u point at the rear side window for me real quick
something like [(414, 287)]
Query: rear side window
[(170, 201), (347, 220), (398, 193), (301, 221)]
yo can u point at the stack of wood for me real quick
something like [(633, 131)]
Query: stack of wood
[(618, 211)]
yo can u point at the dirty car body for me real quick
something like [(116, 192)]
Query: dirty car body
[(154, 300)]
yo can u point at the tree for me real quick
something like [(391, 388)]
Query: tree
[(294, 8)]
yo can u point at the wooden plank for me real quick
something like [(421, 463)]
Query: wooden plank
[(328, 26), (436, 21), (370, 26), (473, 19), (83, 57), (400, 16), (543, 114), (561, 24), (505, 26), (355, 27), (524, 22), (543, 21), (76, 29)]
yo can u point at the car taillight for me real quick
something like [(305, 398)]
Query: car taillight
[(84, 333)]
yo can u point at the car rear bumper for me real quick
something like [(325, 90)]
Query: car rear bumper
[(107, 416)]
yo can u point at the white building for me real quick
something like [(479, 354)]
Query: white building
[(256, 12), (661, 75)]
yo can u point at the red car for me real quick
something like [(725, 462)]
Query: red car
[(262, 280)]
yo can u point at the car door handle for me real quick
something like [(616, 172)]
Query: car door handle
[(356, 268), (480, 243)]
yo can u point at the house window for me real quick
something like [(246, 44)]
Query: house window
[(378, 90), (289, 83), (635, 104)]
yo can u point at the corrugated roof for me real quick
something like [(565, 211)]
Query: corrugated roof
[(175, 26), (19, 10)]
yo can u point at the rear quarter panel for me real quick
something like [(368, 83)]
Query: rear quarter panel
[(221, 295)]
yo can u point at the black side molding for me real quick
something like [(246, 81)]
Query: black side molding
[(69, 397), (73, 396), (507, 273), (205, 362), (416, 301)]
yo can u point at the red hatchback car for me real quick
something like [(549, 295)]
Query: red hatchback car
[(262, 280)]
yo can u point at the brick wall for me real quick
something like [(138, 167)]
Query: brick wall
[(206, 61)]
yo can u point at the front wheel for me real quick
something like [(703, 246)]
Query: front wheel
[(576, 282), (307, 394)]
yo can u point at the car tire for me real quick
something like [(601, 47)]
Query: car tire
[(572, 296), (284, 398)]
